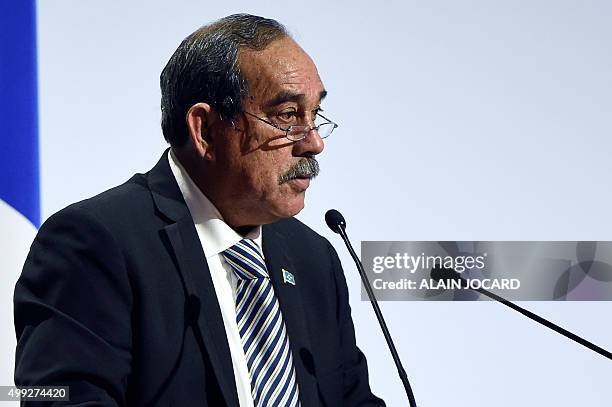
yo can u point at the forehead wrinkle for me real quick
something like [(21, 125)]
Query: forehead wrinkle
[(292, 74)]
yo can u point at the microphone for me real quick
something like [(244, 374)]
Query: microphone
[(337, 224), (335, 221), (445, 273)]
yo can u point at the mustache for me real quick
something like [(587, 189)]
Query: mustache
[(305, 167)]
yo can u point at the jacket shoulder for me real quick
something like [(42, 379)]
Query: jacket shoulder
[(123, 201)]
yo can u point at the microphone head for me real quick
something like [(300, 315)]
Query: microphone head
[(335, 220)]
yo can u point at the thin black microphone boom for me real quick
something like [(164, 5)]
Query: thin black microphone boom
[(337, 224), (450, 274)]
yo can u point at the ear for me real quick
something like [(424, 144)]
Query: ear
[(200, 118)]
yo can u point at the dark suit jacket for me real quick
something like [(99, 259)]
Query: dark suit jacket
[(116, 301)]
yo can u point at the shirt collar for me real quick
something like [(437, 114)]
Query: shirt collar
[(215, 235)]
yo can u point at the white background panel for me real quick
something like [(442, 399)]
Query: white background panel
[(472, 120)]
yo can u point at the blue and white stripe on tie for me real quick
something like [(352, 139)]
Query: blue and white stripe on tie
[(262, 329)]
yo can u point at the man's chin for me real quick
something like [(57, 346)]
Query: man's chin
[(292, 208)]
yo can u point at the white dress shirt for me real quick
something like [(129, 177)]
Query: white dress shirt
[(216, 236)]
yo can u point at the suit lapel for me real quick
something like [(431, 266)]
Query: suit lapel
[(192, 265), (290, 299)]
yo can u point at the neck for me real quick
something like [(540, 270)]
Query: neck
[(243, 230), (234, 213)]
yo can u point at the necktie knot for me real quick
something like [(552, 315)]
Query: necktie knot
[(246, 260)]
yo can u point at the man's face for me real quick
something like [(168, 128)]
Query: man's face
[(253, 157)]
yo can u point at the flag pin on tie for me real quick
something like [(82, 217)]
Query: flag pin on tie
[(288, 277)]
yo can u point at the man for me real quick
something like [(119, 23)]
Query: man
[(167, 290)]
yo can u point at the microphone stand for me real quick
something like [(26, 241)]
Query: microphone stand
[(438, 274), (379, 316), (546, 323)]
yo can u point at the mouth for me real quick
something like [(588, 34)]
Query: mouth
[(300, 183)]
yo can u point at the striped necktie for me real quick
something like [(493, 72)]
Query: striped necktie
[(262, 329)]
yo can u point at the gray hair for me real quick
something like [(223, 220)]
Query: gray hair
[(204, 68)]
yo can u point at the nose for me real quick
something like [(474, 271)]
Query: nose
[(311, 144)]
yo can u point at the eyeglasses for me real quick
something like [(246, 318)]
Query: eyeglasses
[(297, 133)]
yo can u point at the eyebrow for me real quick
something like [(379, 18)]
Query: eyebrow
[(287, 96)]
